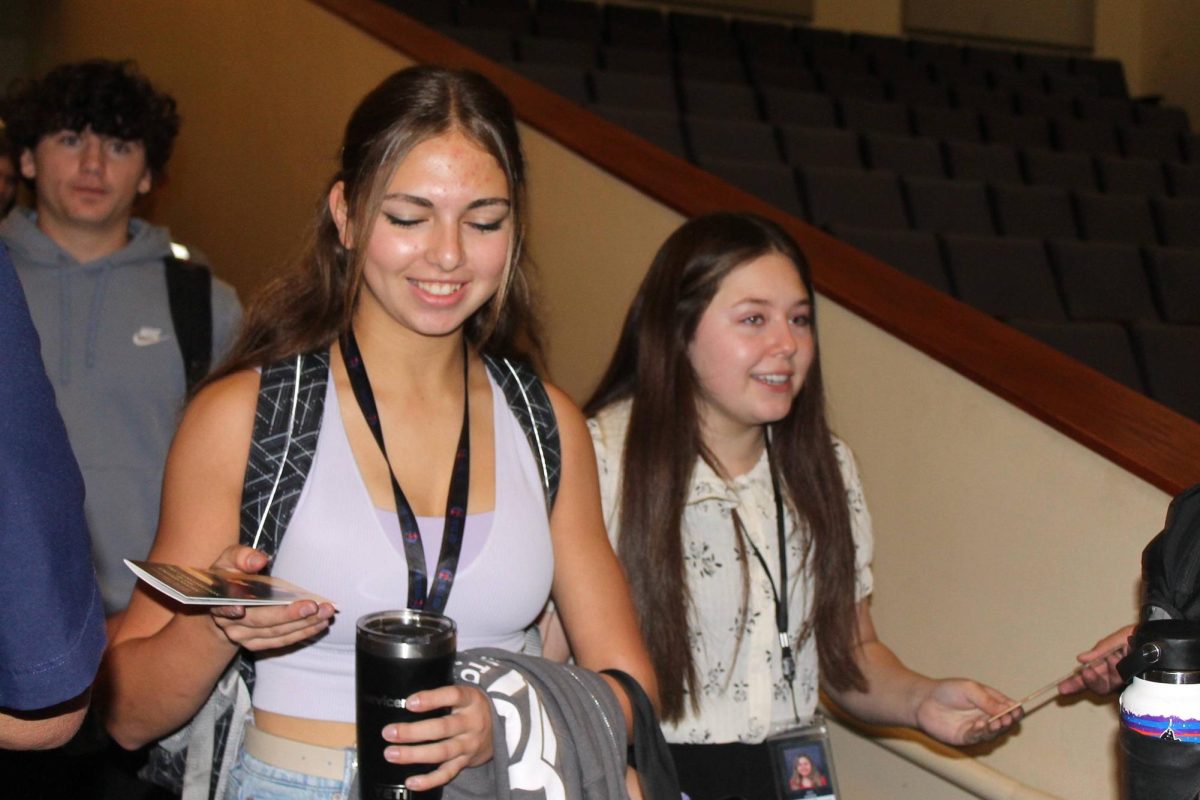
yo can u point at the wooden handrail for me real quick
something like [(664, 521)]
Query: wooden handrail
[(1136, 433)]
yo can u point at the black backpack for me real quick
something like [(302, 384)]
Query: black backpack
[(189, 295), (287, 423)]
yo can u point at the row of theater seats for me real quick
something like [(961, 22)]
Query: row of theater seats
[(705, 88), (667, 103), (708, 141), (714, 38), (705, 139), (882, 199), (1028, 186), (1126, 311)]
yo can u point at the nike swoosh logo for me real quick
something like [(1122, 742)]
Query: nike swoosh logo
[(147, 336)]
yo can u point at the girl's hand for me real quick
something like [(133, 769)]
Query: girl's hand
[(1099, 672), (260, 628), (461, 739), (956, 711)]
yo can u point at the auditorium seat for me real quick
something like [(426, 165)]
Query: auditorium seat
[(579, 21), (1156, 116), (1017, 83), (692, 67), (787, 107), (516, 19), (494, 44), (1016, 130), (992, 59), (660, 127), (1132, 175), (812, 38), (982, 99), (821, 147), (853, 197), (853, 86), (775, 183), (560, 52), (943, 57), (1102, 281), (1175, 273), (870, 115), (952, 124), (1086, 136), (880, 47), (1115, 218), (786, 77), (765, 39), (898, 68), (1007, 278), (703, 35), (1147, 142), (839, 59), (1177, 220), (733, 139), (915, 253), (1064, 170), (939, 205), (637, 60), (1103, 346), (1072, 85), (637, 27), (1114, 110), (904, 155), (990, 163), (627, 90), (918, 93), (735, 101), (1108, 73), (1039, 104), (1034, 211), (1184, 179), (570, 82), (1169, 355), (1043, 63)]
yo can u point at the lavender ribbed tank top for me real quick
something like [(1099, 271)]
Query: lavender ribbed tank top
[(341, 546)]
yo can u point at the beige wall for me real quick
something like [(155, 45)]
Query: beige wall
[(1002, 547)]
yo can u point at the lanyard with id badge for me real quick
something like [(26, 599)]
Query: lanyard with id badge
[(801, 756)]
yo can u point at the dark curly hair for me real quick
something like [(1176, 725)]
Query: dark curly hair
[(110, 97)]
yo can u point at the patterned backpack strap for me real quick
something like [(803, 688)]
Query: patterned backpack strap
[(287, 421), (530, 404)]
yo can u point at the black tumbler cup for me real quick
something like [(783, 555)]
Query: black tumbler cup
[(398, 653)]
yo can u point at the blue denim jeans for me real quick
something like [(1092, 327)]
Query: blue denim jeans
[(252, 779)]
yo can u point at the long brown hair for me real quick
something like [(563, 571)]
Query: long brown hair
[(663, 442), (309, 306)]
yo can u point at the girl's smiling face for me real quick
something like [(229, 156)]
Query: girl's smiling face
[(753, 346), (440, 247)]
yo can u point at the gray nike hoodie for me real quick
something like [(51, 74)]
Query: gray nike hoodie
[(110, 349)]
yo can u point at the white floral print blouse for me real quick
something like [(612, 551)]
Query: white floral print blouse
[(744, 698)]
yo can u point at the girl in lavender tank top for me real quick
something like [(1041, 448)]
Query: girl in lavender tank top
[(414, 271)]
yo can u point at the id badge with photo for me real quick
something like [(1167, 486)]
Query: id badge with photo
[(802, 762)]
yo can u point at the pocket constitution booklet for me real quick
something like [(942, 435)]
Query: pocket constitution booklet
[(219, 587)]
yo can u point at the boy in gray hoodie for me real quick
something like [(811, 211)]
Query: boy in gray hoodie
[(92, 137)]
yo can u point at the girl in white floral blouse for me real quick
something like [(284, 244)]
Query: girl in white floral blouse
[(714, 451)]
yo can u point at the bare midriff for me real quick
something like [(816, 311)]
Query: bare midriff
[(313, 731)]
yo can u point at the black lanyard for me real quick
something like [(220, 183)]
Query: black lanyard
[(456, 499), (779, 595)]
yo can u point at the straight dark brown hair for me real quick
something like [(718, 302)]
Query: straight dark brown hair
[(651, 368), (312, 304)]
